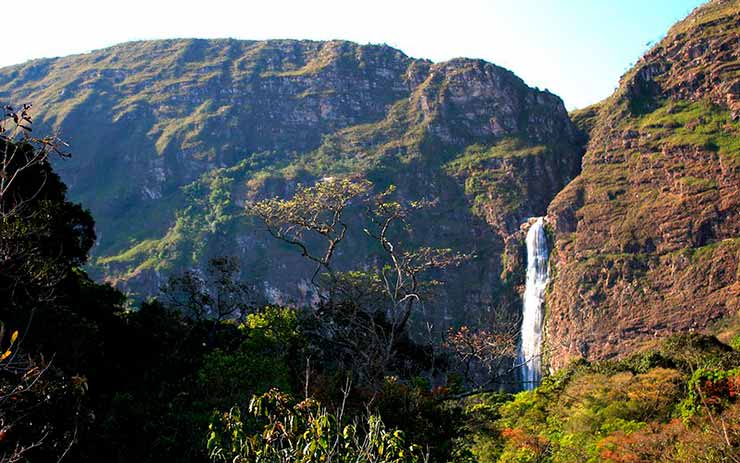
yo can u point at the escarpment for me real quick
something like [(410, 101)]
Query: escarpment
[(171, 137), (648, 235)]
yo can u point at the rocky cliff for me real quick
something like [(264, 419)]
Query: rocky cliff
[(647, 237), (170, 137)]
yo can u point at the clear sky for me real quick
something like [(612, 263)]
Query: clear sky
[(575, 48)]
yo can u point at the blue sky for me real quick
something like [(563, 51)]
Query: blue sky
[(575, 48)]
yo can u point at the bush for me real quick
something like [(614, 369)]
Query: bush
[(283, 431)]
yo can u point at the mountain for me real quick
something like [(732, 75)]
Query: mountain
[(169, 138), (647, 237)]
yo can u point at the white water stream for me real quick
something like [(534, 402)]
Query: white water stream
[(530, 354)]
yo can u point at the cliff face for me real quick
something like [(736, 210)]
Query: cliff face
[(647, 237), (170, 137)]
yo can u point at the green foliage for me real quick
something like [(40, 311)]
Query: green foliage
[(264, 358), (206, 211), (701, 124), (163, 375), (735, 342), (436, 425), (303, 432), (585, 119), (489, 172), (710, 390), (619, 411), (482, 437), (693, 351)]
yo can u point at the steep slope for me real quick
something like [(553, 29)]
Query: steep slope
[(170, 137), (648, 236)]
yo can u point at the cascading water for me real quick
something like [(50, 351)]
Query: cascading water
[(530, 355)]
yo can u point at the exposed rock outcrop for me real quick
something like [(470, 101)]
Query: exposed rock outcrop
[(170, 137), (648, 236)]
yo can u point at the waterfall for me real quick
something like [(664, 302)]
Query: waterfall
[(530, 355)]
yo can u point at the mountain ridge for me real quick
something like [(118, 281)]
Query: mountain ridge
[(171, 136), (647, 235)]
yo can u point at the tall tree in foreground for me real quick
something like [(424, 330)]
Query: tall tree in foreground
[(43, 238), (362, 314)]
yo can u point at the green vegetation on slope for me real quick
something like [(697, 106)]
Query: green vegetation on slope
[(491, 173), (701, 124), (585, 119), (679, 402)]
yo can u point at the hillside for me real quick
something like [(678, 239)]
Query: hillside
[(651, 406), (312, 252), (647, 237), (171, 137)]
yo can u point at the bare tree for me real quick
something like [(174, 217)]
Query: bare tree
[(484, 357), (402, 282)]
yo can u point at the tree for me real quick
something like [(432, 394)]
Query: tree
[(318, 211), (43, 239), (264, 354), (483, 356), (363, 314), (22, 153), (216, 294), (42, 236)]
